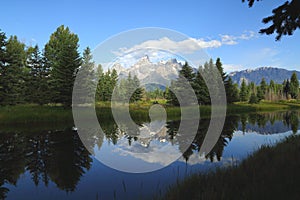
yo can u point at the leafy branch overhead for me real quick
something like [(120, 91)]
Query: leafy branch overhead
[(285, 18)]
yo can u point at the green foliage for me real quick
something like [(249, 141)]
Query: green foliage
[(285, 18), (253, 99), (129, 90), (12, 70), (155, 94), (106, 84), (220, 69), (37, 77), (287, 88), (263, 87), (61, 54), (260, 95), (232, 93), (180, 86), (86, 83), (294, 86), (243, 91), (200, 88)]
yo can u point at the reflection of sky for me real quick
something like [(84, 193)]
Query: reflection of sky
[(137, 157), (240, 146), (158, 154)]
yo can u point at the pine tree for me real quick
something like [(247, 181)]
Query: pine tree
[(243, 91), (286, 88), (87, 75), (138, 92), (37, 90), (181, 86), (263, 87), (100, 77), (171, 97), (12, 72), (2, 66), (294, 86), (231, 91), (61, 53), (253, 99), (200, 88), (187, 72), (260, 95), (220, 69)]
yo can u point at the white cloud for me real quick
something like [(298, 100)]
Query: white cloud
[(233, 67), (187, 46), (232, 40)]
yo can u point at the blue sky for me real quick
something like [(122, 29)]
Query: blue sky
[(231, 23)]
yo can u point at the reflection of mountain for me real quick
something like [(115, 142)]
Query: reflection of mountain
[(268, 128), (160, 73)]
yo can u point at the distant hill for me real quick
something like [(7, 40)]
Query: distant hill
[(278, 75)]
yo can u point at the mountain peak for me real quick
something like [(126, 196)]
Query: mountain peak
[(144, 60)]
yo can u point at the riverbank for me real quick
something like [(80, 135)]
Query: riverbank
[(31, 113), (270, 173)]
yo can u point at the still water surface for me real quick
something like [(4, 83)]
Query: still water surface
[(49, 161)]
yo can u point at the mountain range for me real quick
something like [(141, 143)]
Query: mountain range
[(159, 74), (278, 75), (151, 74)]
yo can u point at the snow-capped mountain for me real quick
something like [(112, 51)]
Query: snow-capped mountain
[(160, 73)]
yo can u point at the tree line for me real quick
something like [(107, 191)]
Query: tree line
[(29, 75), (247, 92)]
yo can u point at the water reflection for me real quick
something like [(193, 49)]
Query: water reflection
[(58, 156)]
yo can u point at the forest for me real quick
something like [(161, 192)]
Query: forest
[(30, 75)]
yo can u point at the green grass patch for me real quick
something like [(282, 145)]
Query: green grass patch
[(270, 173), (31, 113)]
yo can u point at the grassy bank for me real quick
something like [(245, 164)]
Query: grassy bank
[(270, 173), (43, 114)]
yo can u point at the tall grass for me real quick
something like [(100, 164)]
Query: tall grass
[(270, 173)]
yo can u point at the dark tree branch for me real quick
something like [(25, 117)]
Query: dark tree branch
[(285, 19)]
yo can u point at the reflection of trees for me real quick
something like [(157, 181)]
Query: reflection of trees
[(57, 156), (12, 161), (230, 125), (68, 159), (289, 119), (294, 121)]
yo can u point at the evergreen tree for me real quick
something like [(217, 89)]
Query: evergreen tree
[(286, 88), (200, 88), (220, 69), (12, 71), (100, 76), (180, 87), (62, 56), (260, 95), (294, 86), (243, 91), (263, 87), (138, 92), (87, 75), (187, 72), (171, 97), (231, 91), (2, 66), (253, 99), (37, 90)]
